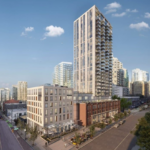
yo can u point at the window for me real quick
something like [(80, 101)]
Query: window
[(51, 111), (59, 91), (60, 118), (45, 120), (51, 98), (64, 92), (60, 98), (64, 117), (55, 104), (55, 91), (60, 110), (46, 105), (55, 111), (55, 118), (51, 91), (59, 103), (46, 112), (46, 98), (46, 91), (67, 116), (51, 119), (55, 98), (51, 104), (71, 103), (63, 109)]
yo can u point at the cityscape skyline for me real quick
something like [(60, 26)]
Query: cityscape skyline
[(45, 52)]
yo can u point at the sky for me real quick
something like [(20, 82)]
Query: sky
[(36, 35)]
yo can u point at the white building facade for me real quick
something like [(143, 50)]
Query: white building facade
[(63, 74), (93, 54), (50, 106), (140, 75)]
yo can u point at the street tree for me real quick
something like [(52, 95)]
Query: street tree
[(33, 134), (92, 130), (124, 103), (102, 125), (115, 97), (142, 131)]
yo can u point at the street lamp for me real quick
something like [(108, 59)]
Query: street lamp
[(25, 133)]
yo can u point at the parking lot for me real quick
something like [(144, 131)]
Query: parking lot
[(117, 138)]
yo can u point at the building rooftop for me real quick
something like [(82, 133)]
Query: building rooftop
[(16, 110), (12, 101)]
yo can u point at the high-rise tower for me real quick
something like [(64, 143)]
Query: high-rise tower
[(93, 54)]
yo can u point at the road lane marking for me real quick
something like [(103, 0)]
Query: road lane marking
[(124, 138)]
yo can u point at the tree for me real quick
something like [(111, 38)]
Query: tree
[(27, 129), (102, 125), (77, 138), (20, 125), (147, 117), (110, 121), (33, 134), (121, 115), (124, 104), (116, 117), (115, 97), (142, 132), (92, 130), (125, 113)]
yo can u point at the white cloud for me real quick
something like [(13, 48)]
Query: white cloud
[(134, 10), (114, 5), (139, 26), (110, 11), (29, 29), (147, 15), (23, 34), (43, 38), (53, 31), (119, 15), (127, 10)]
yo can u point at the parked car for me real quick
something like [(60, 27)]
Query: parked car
[(121, 122), (116, 125)]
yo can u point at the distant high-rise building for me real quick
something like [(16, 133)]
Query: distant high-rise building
[(120, 75), (14, 92), (140, 75), (4, 95), (63, 74), (22, 91), (140, 88), (93, 54)]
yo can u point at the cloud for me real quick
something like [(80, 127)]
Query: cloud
[(112, 7), (139, 26), (28, 29), (53, 31), (147, 15), (127, 10), (43, 38), (119, 15), (110, 11), (134, 10)]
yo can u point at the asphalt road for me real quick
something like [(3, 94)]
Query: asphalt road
[(117, 138), (7, 139)]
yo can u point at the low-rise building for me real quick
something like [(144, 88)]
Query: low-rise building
[(16, 113), (50, 106), (89, 109), (120, 91)]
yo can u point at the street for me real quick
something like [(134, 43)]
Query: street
[(7, 139), (117, 138)]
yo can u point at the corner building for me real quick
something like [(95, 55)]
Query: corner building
[(50, 106), (93, 54)]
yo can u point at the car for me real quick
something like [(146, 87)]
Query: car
[(121, 122), (116, 125)]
